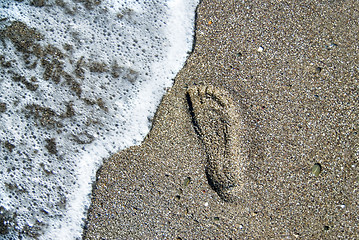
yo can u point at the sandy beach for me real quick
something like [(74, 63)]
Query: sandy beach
[(271, 86)]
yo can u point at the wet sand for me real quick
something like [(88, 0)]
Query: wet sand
[(291, 71)]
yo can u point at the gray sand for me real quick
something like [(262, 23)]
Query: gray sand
[(292, 72)]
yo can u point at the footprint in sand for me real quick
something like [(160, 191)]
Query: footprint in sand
[(219, 126)]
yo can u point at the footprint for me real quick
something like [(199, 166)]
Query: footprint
[(219, 126)]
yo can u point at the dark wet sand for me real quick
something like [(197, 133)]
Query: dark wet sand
[(299, 99)]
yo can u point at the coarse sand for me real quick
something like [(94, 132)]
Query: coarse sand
[(290, 71)]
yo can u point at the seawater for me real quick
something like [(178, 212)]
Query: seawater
[(79, 81)]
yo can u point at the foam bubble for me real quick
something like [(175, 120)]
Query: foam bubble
[(79, 80)]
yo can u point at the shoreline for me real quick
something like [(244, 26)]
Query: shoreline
[(290, 70)]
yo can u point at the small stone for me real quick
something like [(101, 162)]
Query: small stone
[(316, 169), (187, 181)]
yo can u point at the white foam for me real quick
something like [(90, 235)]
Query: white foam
[(129, 51)]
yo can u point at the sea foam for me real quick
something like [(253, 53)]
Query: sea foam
[(79, 80)]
